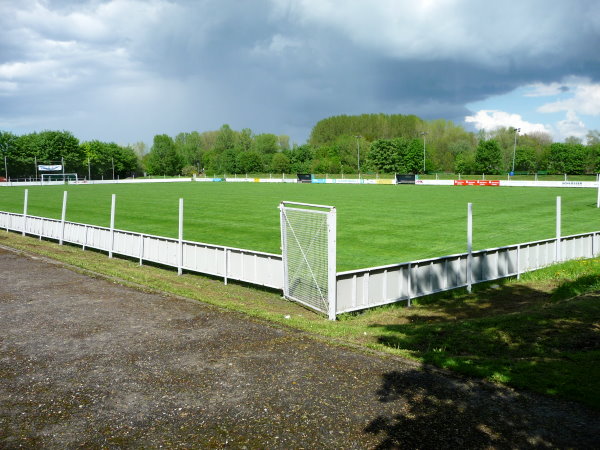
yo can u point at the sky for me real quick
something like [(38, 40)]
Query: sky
[(125, 70)]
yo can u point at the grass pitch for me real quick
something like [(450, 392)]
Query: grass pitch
[(377, 224)]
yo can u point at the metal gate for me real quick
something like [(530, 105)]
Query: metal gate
[(308, 245)]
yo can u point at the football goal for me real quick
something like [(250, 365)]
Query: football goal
[(57, 178)]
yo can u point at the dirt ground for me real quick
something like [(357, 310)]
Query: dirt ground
[(85, 362)]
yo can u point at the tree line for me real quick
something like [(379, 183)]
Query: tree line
[(91, 158), (340, 144)]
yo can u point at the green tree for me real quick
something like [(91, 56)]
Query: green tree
[(228, 161), (244, 140), (47, 147), (301, 158), (266, 143), (163, 158), (592, 138), (189, 148), (284, 142), (225, 139), (384, 156), (525, 159), (8, 150), (400, 155), (370, 126), (280, 163), (464, 163), (567, 158), (488, 157), (249, 162)]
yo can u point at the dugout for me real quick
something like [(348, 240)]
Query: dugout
[(304, 178), (405, 178)]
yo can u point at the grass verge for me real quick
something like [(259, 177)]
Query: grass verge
[(540, 333)]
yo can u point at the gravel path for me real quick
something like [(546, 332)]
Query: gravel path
[(85, 362)]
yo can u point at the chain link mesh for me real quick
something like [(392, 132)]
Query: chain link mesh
[(306, 249)]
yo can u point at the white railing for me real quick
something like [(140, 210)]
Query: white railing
[(259, 268), (375, 286), (355, 289)]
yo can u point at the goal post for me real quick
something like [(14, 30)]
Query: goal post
[(308, 245), (55, 178)]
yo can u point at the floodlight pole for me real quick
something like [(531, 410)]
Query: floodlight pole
[(5, 169), (358, 153), (89, 170), (113, 167), (516, 130), (423, 133), (36, 167)]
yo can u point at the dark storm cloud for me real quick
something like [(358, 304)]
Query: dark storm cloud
[(126, 70)]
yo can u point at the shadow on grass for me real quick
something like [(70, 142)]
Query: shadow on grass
[(437, 412), (514, 335), (581, 285)]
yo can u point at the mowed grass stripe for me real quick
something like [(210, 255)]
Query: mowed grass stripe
[(376, 224)]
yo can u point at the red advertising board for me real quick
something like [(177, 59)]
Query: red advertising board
[(476, 182)]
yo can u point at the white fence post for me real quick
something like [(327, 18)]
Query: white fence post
[(558, 214), (180, 242), (331, 262), (226, 266), (410, 286), (519, 262), (141, 248), (25, 211), (62, 218), (469, 246), (112, 224)]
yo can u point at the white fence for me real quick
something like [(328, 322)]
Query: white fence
[(353, 290), (375, 286), (282, 179), (263, 269)]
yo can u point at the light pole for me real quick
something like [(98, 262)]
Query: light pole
[(358, 153), (113, 167), (516, 130), (5, 146), (423, 133)]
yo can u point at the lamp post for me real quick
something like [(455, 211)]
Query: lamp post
[(358, 153), (516, 130), (113, 167), (423, 133), (4, 148)]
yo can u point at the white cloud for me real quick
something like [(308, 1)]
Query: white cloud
[(571, 126), (487, 119), (545, 90), (585, 99)]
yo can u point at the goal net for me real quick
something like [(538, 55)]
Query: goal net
[(308, 238), (59, 178)]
